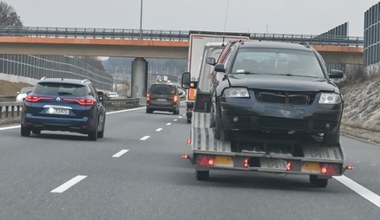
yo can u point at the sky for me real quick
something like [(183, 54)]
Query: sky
[(311, 17)]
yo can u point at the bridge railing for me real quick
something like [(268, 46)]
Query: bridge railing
[(165, 35), (95, 33)]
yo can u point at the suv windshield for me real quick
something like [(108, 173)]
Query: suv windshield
[(277, 62), (60, 89), (162, 89)]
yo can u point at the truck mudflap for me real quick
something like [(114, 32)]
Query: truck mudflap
[(289, 154)]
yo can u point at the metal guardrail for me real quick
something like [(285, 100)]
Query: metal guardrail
[(164, 35), (12, 110), (117, 104), (7, 98)]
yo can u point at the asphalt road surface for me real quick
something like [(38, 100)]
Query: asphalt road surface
[(136, 172)]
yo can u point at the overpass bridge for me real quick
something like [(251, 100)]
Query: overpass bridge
[(150, 44)]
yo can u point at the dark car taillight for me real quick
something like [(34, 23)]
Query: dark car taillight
[(31, 98), (86, 102), (148, 97), (175, 99)]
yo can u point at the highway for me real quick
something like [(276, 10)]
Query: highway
[(136, 172)]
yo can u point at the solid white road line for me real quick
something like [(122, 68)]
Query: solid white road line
[(108, 113), (120, 153), (62, 188), (144, 138), (126, 110), (159, 129), (10, 127), (364, 192), (168, 124)]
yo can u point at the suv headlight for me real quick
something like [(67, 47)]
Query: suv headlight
[(330, 98), (236, 92)]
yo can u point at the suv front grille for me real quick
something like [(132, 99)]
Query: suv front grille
[(280, 97)]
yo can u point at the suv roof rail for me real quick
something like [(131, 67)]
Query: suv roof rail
[(85, 80), (306, 44)]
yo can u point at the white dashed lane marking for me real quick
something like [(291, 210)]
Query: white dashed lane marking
[(168, 124), (175, 119), (159, 129), (145, 138), (62, 188), (120, 153)]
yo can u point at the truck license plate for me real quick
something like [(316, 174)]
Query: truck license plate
[(223, 161), (273, 164), (311, 167)]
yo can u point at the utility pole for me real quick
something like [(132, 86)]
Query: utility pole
[(141, 14)]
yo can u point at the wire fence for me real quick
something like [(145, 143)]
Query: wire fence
[(36, 67)]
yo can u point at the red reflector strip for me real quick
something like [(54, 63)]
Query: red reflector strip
[(289, 166), (246, 163)]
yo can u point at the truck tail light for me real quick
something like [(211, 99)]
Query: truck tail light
[(205, 160), (329, 169)]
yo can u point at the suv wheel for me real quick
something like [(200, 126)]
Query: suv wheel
[(101, 133), (93, 135), (149, 110), (25, 131), (36, 131)]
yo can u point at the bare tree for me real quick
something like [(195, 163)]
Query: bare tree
[(8, 16)]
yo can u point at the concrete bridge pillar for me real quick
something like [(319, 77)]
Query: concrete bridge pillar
[(139, 77)]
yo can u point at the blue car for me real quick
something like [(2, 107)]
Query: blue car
[(64, 105)]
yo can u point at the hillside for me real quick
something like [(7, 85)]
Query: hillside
[(11, 89), (362, 109)]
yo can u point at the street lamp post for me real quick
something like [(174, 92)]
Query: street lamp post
[(141, 12)]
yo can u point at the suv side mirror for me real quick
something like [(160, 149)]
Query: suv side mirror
[(336, 74), (211, 61), (101, 96), (220, 68), (185, 81)]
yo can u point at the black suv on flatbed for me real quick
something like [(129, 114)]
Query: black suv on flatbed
[(272, 87), (64, 105)]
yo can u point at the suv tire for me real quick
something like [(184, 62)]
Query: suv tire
[(25, 131)]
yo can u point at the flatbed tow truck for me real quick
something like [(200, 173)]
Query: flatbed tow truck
[(258, 152)]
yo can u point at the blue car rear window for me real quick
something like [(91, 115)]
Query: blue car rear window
[(59, 89)]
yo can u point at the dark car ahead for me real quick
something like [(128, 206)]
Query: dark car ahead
[(163, 97), (64, 105), (271, 87)]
